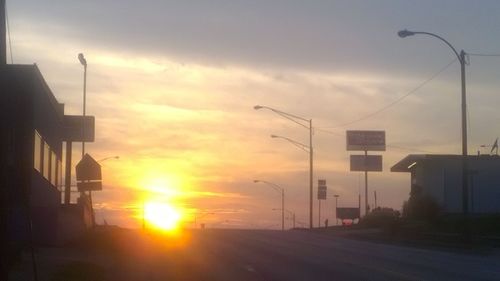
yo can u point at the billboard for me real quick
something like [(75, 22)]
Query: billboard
[(348, 213), (368, 163), (322, 192), (365, 140), (321, 189), (74, 128)]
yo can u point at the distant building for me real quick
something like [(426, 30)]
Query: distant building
[(440, 176)]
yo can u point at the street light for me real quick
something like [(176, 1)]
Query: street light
[(294, 119), (336, 206), (83, 62), (282, 191), (107, 158), (202, 215), (296, 143), (289, 212), (461, 59)]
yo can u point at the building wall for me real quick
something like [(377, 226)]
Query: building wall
[(441, 178), (27, 105)]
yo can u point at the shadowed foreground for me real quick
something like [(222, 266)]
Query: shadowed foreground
[(253, 255)]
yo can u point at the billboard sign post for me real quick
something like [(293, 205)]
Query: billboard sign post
[(321, 196), (365, 141)]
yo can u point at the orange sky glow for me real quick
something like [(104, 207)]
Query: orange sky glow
[(181, 117)]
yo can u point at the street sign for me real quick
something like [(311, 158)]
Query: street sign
[(366, 163), (73, 128), (322, 192), (348, 213), (321, 189), (365, 140), (88, 174)]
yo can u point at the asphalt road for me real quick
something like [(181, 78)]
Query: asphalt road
[(301, 255), (257, 255)]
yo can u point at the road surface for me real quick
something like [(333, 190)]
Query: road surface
[(301, 255), (273, 255)]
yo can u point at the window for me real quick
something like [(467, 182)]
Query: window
[(37, 152), (59, 182), (53, 168), (46, 160)]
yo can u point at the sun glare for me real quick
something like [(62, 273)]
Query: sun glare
[(162, 215)]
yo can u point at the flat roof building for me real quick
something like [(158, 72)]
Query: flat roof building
[(440, 177), (33, 127)]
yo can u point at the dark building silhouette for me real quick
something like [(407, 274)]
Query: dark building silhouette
[(33, 129), (439, 177)]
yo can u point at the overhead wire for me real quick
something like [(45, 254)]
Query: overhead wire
[(418, 87), (483, 55), (8, 33)]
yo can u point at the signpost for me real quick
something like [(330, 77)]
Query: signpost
[(370, 163), (88, 174), (366, 141), (348, 213), (89, 178), (321, 196)]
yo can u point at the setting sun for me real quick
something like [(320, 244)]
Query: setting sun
[(161, 215)]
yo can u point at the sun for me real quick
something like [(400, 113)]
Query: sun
[(162, 215)]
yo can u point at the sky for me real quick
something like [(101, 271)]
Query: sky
[(172, 85)]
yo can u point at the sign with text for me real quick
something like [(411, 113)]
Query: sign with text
[(76, 126), (88, 174), (322, 192), (348, 213), (321, 189), (368, 163), (365, 140)]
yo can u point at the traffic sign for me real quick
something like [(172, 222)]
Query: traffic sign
[(365, 140), (322, 192), (366, 163), (88, 174)]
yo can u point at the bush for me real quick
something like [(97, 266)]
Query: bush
[(386, 218), (421, 207)]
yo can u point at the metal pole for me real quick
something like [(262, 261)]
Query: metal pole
[(282, 209), (366, 185), (67, 177), (310, 175), (143, 217), (319, 213), (84, 107), (336, 217), (465, 186)]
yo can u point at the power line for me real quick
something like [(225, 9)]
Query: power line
[(484, 55), (8, 32), (397, 100)]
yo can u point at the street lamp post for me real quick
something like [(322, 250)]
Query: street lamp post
[(290, 213), (336, 206), (202, 215), (108, 158), (83, 61), (294, 119), (282, 191), (461, 59)]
